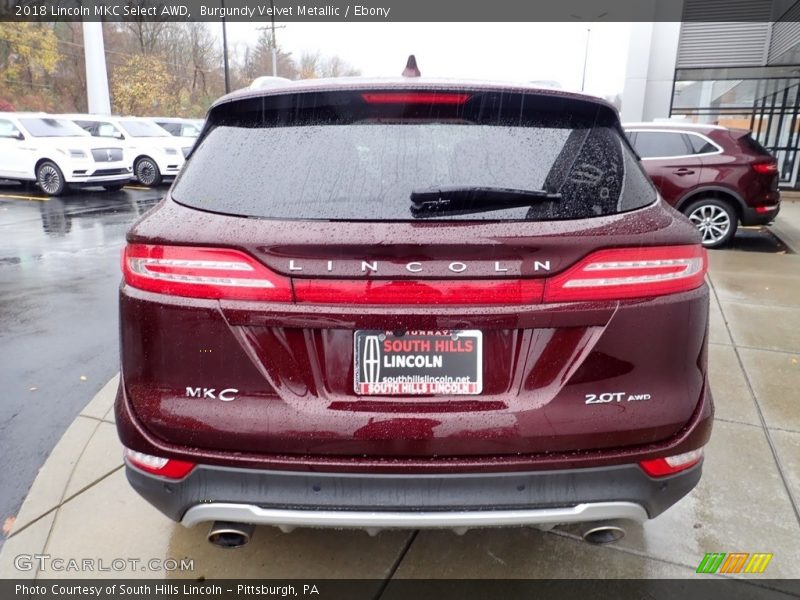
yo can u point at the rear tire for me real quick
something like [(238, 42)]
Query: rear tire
[(715, 219), (50, 179), (147, 172)]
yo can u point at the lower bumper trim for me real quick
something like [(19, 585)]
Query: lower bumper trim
[(411, 500), (97, 180), (339, 519)]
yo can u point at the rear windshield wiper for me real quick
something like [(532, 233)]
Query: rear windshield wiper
[(466, 200)]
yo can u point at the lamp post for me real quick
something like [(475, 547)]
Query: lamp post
[(588, 37), (96, 74), (586, 57), (225, 50), (274, 42)]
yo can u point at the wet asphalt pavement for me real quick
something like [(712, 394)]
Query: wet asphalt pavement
[(59, 272)]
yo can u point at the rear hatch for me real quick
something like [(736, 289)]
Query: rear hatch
[(763, 163), (413, 272)]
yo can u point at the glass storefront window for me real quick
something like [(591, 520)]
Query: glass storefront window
[(764, 100)]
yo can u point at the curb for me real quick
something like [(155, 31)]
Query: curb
[(786, 231)]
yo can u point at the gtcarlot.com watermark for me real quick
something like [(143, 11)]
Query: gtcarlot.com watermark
[(54, 564)]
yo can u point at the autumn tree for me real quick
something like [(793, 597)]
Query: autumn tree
[(140, 85), (69, 78), (28, 56), (155, 67)]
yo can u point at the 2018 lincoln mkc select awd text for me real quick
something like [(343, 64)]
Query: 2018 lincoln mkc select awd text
[(411, 303)]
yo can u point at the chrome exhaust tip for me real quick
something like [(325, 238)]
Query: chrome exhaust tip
[(230, 535), (602, 532)]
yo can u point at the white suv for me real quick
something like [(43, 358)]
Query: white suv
[(156, 154), (57, 154)]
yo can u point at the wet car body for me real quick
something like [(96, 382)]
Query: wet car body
[(251, 406)]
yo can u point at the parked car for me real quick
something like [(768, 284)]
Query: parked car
[(187, 128), (157, 155), (403, 303), (716, 176), (57, 154)]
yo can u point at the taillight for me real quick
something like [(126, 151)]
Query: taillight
[(765, 168), (660, 467), (442, 291), (222, 273), (157, 465), (414, 98), (630, 273), (202, 273)]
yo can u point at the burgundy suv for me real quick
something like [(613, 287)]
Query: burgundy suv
[(716, 176), (403, 303)]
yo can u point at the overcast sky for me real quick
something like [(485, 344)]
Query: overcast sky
[(506, 51)]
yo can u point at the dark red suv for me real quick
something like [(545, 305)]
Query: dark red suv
[(408, 303), (716, 176)]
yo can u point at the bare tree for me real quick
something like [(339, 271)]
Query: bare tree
[(314, 65), (309, 65), (258, 60), (203, 54), (146, 34), (335, 66)]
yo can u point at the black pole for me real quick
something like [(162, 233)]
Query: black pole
[(225, 51), (274, 43), (586, 57)]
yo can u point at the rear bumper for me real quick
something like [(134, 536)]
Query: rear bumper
[(453, 500), (751, 216)]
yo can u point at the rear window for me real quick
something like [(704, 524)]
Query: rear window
[(748, 142), (340, 156), (701, 145)]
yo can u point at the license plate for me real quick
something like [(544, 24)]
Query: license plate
[(418, 362)]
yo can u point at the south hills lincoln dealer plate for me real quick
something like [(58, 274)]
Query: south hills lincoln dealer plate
[(418, 362)]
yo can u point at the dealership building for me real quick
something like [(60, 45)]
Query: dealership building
[(735, 64)]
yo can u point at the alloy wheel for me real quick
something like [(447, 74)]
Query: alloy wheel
[(49, 179), (146, 172), (712, 221)]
